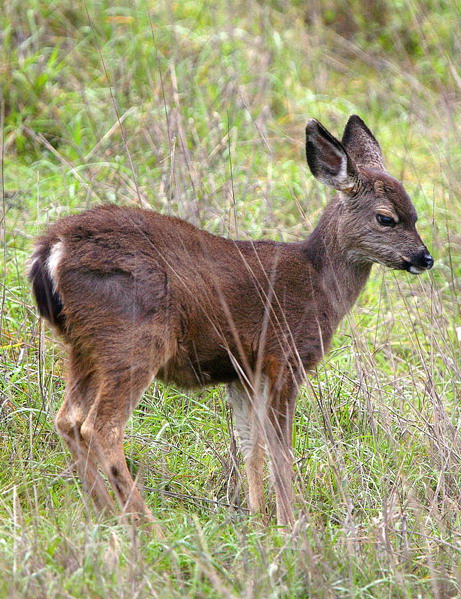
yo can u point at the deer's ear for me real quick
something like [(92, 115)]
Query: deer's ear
[(361, 144), (328, 159)]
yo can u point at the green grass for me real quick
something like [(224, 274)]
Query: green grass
[(198, 110)]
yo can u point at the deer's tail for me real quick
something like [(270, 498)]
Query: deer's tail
[(48, 300)]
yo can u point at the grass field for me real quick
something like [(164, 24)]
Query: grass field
[(198, 109)]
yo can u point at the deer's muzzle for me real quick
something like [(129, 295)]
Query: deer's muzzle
[(419, 262)]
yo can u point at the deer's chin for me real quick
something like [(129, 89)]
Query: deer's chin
[(409, 267), (393, 264), (401, 265)]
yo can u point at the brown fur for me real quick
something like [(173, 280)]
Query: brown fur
[(136, 295)]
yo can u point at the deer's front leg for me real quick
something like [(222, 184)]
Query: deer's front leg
[(279, 437), (246, 418)]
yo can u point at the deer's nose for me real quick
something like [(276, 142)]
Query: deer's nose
[(424, 260)]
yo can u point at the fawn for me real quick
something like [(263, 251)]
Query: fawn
[(137, 295)]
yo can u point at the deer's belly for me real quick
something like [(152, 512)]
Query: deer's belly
[(189, 373)]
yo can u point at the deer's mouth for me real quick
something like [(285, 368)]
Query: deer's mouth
[(409, 267), (413, 268)]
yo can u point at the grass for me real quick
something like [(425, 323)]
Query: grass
[(198, 110)]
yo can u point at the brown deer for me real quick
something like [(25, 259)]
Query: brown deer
[(137, 295)]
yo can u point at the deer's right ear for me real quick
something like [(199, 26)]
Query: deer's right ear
[(328, 159)]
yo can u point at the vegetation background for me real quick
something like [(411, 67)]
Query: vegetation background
[(198, 109)]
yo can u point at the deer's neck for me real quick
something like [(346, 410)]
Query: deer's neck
[(343, 277)]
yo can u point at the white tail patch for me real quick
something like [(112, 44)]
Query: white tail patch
[(53, 261)]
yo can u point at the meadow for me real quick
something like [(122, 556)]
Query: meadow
[(198, 109)]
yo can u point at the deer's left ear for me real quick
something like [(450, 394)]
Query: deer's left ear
[(328, 159), (361, 144)]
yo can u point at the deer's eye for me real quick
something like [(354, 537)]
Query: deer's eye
[(385, 221)]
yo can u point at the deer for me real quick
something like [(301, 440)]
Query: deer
[(137, 295)]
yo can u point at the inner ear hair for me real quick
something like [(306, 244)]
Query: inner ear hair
[(328, 158)]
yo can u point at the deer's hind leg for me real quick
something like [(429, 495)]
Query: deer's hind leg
[(80, 394), (103, 429), (122, 383)]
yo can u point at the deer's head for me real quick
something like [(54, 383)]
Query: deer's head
[(377, 218)]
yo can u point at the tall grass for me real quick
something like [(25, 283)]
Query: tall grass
[(198, 110)]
